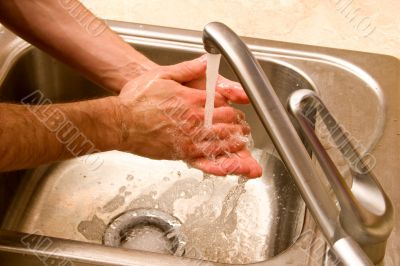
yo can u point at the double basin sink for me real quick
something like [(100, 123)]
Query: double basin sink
[(60, 213)]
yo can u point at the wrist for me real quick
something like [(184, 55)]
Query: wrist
[(116, 124), (99, 123), (117, 78), (133, 68)]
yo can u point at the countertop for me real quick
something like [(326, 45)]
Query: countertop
[(362, 25)]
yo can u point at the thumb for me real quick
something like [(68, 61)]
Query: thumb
[(188, 70)]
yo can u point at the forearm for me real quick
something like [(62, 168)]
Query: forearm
[(31, 135), (71, 33)]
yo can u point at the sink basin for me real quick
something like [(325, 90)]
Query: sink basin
[(222, 219)]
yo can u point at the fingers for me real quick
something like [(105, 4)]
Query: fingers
[(232, 91), (240, 163), (220, 139), (186, 71), (192, 74), (198, 97), (214, 147), (222, 128), (223, 114), (227, 114), (224, 131)]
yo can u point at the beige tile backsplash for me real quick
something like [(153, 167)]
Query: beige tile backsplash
[(364, 25)]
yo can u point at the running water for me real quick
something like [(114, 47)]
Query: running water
[(211, 80)]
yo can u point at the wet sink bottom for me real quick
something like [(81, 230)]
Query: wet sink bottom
[(224, 219)]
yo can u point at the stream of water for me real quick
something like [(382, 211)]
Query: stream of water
[(211, 81)]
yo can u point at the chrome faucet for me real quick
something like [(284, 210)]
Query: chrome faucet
[(357, 233), (366, 211)]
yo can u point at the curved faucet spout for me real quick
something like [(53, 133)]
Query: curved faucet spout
[(218, 38)]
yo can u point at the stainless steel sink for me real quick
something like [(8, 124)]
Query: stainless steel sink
[(223, 219)]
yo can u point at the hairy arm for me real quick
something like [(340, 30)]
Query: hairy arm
[(71, 33), (35, 134)]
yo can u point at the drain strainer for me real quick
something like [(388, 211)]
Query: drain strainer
[(124, 224)]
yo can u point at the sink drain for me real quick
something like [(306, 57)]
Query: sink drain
[(123, 228)]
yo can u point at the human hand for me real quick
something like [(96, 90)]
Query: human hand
[(162, 119), (232, 91), (240, 162)]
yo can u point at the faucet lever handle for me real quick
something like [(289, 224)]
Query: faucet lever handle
[(366, 212)]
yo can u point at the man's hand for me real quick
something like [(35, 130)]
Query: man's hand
[(163, 119), (232, 91)]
